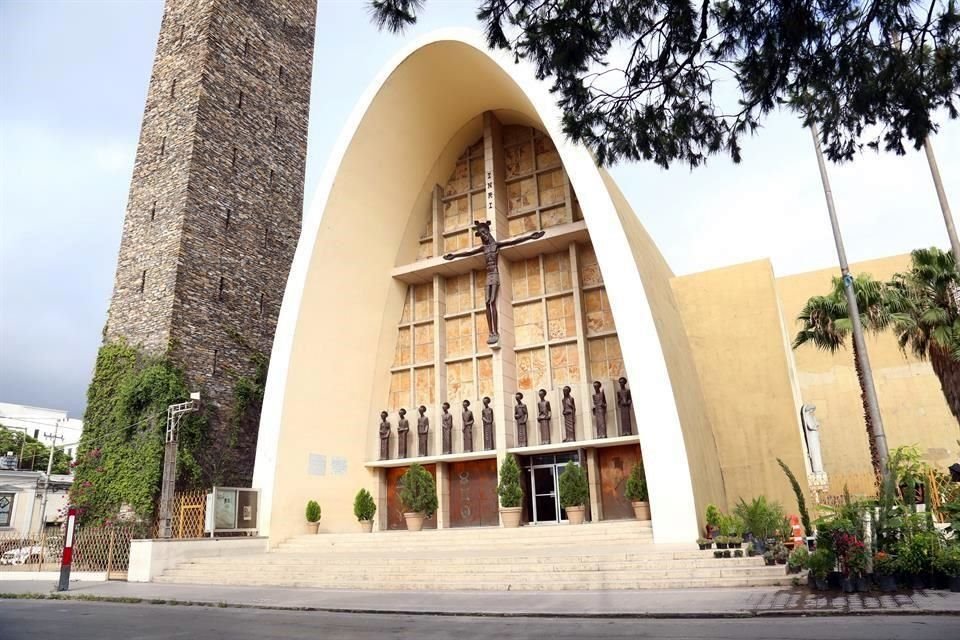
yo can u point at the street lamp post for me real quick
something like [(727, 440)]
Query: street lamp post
[(175, 413)]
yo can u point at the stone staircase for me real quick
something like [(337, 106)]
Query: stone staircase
[(605, 555)]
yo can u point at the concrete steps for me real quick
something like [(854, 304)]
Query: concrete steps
[(614, 555)]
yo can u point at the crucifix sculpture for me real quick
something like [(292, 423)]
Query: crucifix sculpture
[(491, 252)]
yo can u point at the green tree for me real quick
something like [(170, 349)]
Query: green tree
[(509, 489), (926, 318), (825, 323), (35, 453), (639, 79)]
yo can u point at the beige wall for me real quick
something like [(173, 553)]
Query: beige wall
[(734, 329), (698, 436), (911, 403)]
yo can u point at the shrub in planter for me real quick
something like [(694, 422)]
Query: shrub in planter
[(718, 554), (704, 543), (761, 518), (313, 515), (738, 553), (721, 542), (915, 558), (636, 492), (510, 492), (752, 550), (780, 553), (418, 495), (573, 492), (735, 542), (820, 563), (797, 561), (364, 509), (768, 558), (947, 562), (726, 553), (884, 567), (712, 519)]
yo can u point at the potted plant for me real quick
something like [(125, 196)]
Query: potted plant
[(712, 518), (573, 492), (313, 516), (947, 561), (363, 508), (418, 495), (717, 553), (797, 561), (884, 567), (636, 492), (780, 553), (726, 553), (721, 541), (704, 543), (735, 542), (820, 563), (915, 559), (769, 558), (510, 492), (738, 553)]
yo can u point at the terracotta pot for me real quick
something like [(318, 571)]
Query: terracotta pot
[(574, 515), (510, 516), (414, 521), (641, 510), (313, 526), (366, 526)]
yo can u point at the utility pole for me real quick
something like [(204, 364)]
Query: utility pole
[(168, 485), (873, 406), (942, 197), (46, 484)]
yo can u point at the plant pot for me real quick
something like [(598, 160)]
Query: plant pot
[(848, 585), (641, 510), (886, 583), (781, 561), (510, 516), (738, 553), (704, 547), (313, 526), (811, 581), (822, 584), (918, 581), (722, 545), (366, 526), (726, 553), (769, 562), (955, 584), (574, 515), (718, 554), (863, 584), (940, 581), (833, 579), (414, 521)]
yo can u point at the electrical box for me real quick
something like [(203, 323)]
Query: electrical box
[(232, 510)]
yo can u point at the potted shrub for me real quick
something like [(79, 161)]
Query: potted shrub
[(914, 560), (738, 553), (947, 562), (636, 492), (735, 542), (721, 542), (884, 567), (363, 508), (820, 564), (313, 516), (418, 495), (797, 561), (717, 553), (704, 543), (769, 558), (712, 519), (510, 492), (780, 553), (573, 492)]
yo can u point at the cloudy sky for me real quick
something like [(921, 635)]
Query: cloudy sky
[(73, 80)]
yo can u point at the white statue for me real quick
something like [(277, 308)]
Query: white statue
[(811, 433)]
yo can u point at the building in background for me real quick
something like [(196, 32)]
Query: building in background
[(42, 424), (21, 499)]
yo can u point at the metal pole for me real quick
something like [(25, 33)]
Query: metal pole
[(942, 197), (873, 407), (168, 484), (46, 484)]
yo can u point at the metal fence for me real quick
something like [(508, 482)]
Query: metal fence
[(97, 549), (189, 513)]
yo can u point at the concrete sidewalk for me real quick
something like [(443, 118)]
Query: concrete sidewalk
[(678, 603)]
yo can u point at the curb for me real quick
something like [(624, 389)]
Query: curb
[(720, 615)]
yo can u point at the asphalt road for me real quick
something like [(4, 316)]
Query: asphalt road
[(33, 619)]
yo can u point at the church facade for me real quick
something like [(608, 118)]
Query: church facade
[(470, 285)]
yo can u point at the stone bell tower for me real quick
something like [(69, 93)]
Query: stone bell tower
[(216, 198)]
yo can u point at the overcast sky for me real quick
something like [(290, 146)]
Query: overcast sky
[(73, 81)]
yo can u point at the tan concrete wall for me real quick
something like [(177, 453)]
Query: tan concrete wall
[(911, 402), (698, 435), (735, 333)]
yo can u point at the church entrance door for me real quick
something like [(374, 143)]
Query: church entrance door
[(544, 500)]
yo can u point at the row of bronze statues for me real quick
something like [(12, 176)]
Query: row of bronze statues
[(520, 415)]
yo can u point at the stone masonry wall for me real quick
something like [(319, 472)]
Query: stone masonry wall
[(216, 199)]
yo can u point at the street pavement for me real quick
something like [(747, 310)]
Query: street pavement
[(79, 620)]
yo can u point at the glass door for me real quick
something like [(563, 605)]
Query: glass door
[(546, 501)]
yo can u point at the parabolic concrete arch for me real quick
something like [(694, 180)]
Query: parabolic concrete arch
[(336, 330)]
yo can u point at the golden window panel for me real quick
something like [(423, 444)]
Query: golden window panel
[(479, 205), (528, 323), (554, 217), (525, 278), (399, 390), (547, 155), (522, 224), (457, 297), (606, 360), (531, 371), (485, 377), (460, 383), (456, 241), (518, 159), (480, 290), (515, 133), (482, 332), (423, 343), (423, 390), (589, 268), (405, 313), (476, 149), (456, 214), (561, 322), (551, 187), (596, 307), (425, 250), (459, 337), (521, 195), (459, 180), (423, 301), (565, 364), (476, 173), (401, 357), (556, 268)]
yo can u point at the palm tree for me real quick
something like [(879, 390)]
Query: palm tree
[(927, 321), (826, 323)]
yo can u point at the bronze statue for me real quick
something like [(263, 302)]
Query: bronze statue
[(569, 416), (491, 251), (520, 415), (625, 407), (467, 427), (446, 428), (543, 416), (403, 428), (423, 428), (600, 409), (486, 417), (384, 436)]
